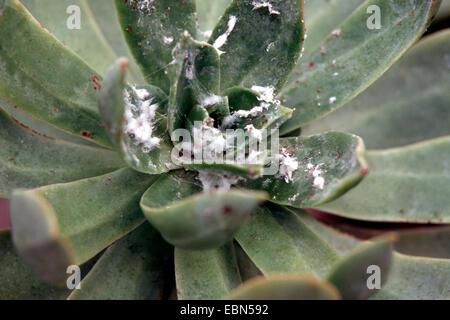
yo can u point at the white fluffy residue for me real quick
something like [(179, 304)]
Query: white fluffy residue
[(266, 93), (210, 100), (316, 172), (265, 4), (167, 40), (288, 165), (209, 140), (254, 133), (212, 180), (139, 119), (332, 100), (221, 40)]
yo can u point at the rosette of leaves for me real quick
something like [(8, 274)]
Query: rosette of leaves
[(88, 116)]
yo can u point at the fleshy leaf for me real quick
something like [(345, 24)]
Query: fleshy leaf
[(17, 281), (427, 242), (189, 218), (416, 278), (407, 184), (98, 24), (410, 278), (322, 17), (198, 80), (153, 30), (135, 267), (278, 241), (209, 12), (39, 75), (352, 57), (133, 122), (247, 269), (285, 286), (406, 105), (30, 160), (67, 224), (259, 42), (351, 275), (207, 274), (329, 164), (242, 101)]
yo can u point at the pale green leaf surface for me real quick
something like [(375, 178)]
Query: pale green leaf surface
[(30, 160), (337, 155), (153, 31), (99, 40), (17, 281), (64, 224), (408, 104), (206, 274), (41, 76), (133, 268), (352, 57), (262, 47), (192, 219), (407, 184), (285, 286)]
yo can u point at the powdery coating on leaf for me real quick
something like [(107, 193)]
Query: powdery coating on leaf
[(220, 41), (265, 4), (288, 165), (212, 181), (210, 100), (332, 100), (254, 133), (266, 93), (167, 40), (316, 172), (139, 119), (208, 140)]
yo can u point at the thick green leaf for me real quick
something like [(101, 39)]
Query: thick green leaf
[(30, 160), (353, 56), (192, 219), (408, 184), (42, 127), (198, 80), (99, 25), (278, 241), (259, 42), (408, 104), (285, 286), (350, 275), (209, 12), (329, 164), (206, 274), (426, 242), (247, 269), (414, 278), (66, 224), (135, 267), (39, 75), (409, 278), (153, 30), (17, 281), (242, 99), (137, 130), (322, 17)]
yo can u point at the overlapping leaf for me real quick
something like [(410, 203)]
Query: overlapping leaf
[(29, 159), (408, 104), (407, 184), (39, 75), (65, 224), (353, 56)]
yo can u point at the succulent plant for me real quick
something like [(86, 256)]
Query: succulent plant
[(91, 116)]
